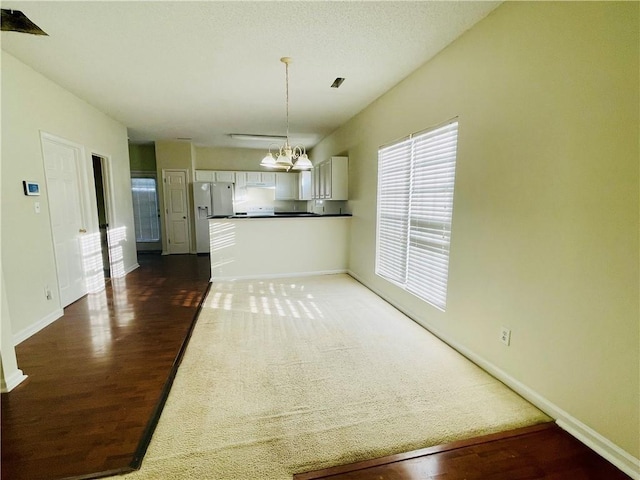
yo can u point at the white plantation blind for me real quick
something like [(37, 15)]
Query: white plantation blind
[(415, 209), (145, 209), (394, 175)]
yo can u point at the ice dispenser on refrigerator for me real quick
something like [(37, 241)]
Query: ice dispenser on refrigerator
[(210, 198)]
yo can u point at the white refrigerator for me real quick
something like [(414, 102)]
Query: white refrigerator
[(210, 198)]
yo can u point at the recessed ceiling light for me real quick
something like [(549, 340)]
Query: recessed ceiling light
[(337, 82)]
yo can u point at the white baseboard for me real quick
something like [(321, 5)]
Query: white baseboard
[(131, 268), (596, 442), (279, 275), (22, 335), (592, 439), (15, 379)]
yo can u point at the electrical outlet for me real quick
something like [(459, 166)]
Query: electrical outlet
[(47, 293), (505, 336)]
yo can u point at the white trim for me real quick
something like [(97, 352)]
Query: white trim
[(279, 275), (22, 335), (8, 384), (131, 268), (592, 439), (601, 445)]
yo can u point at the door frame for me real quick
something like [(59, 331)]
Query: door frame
[(165, 208), (109, 205)]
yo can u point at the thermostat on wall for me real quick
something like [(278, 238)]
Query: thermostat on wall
[(31, 188)]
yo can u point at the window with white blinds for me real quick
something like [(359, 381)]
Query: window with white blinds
[(145, 209), (415, 205)]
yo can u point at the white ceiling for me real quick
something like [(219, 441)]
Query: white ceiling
[(204, 70)]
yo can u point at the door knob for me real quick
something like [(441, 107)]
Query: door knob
[(83, 230), (184, 218)]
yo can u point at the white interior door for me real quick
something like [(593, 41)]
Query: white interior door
[(61, 162), (176, 210)]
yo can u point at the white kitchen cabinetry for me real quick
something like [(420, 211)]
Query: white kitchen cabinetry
[(240, 190), (331, 179), (315, 182), (225, 177), (241, 179), (286, 186), (325, 180), (304, 185), (214, 176), (205, 176), (261, 179)]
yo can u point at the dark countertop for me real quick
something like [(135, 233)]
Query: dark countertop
[(284, 215)]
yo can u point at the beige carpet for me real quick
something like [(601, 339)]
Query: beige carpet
[(286, 376)]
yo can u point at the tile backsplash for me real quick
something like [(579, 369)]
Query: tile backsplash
[(254, 197), (326, 207)]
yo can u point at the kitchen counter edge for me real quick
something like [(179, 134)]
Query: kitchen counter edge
[(280, 215)]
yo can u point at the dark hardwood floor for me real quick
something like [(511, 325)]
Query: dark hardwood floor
[(97, 375), (540, 452)]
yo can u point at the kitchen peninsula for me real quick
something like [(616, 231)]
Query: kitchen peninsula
[(278, 245)]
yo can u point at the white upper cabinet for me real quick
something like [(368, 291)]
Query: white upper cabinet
[(315, 182), (254, 177), (214, 176), (268, 178), (304, 185), (225, 177), (241, 179), (286, 186), (331, 179), (205, 176), (261, 179)]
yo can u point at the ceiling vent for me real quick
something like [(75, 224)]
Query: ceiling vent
[(16, 21), (337, 82)]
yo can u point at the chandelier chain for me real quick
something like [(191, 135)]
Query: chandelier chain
[(288, 157), (286, 65)]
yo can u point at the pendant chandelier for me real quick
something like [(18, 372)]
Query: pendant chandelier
[(288, 157)]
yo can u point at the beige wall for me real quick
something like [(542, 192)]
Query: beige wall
[(142, 158), (241, 159), (31, 104), (174, 155), (545, 221)]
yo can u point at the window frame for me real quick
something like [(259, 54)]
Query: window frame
[(153, 176), (421, 239)]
